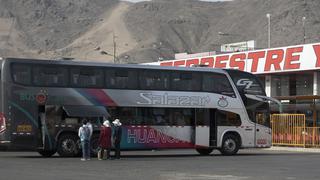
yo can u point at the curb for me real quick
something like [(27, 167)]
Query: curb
[(294, 149)]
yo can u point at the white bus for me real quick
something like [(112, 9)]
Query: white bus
[(43, 101)]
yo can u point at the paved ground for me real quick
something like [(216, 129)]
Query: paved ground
[(165, 164)]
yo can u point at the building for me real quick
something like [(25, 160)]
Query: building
[(291, 74)]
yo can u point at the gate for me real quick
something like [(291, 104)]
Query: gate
[(291, 130)]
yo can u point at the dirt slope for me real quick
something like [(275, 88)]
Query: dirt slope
[(101, 37), (148, 31)]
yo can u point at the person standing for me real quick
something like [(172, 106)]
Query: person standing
[(117, 137), (104, 141), (84, 134), (90, 134)]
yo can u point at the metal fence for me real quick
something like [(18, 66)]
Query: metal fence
[(291, 130)]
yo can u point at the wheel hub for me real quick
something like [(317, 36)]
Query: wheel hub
[(230, 145), (68, 145)]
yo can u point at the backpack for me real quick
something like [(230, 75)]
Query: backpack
[(85, 135)]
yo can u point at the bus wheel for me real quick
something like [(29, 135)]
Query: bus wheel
[(47, 153), (204, 151), (230, 145), (94, 145), (68, 145)]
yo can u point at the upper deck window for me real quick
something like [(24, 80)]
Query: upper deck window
[(86, 77), (21, 73), (50, 76), (157, 80), (186, 81), (217, 83), (121, 78)]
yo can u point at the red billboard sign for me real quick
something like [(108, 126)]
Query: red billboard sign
[(283, 59)]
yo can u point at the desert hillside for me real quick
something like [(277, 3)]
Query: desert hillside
[(105, 30)]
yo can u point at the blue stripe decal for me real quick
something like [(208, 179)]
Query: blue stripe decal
[(32, 120), (88, 97)]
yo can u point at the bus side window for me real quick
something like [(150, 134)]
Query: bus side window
[(86, 77), (225, 118), (186, 81), (157, 80), (159, 116), (50, 76), (217, 83), (121, 78), (21, 74), (203, 117)]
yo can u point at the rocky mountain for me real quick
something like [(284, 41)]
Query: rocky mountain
[(112, 30)]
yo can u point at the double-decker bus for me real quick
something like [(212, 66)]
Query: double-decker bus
[(43, 102)]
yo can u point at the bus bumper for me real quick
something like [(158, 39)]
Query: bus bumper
[(5, 142)]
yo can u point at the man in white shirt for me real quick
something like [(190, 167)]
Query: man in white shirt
[(91, 131)]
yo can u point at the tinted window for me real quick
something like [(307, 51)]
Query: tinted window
[(203, 117), (225, 118), (186, 81), (86, 77), (181, 117), (50, 76), (153, 116), (21, 74), (154, 80), (121, 78), (263, 118), (217, 83)]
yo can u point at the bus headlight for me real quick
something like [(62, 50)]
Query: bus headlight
[(2, 123), (268, 131)]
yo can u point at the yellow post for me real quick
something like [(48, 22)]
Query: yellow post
[(304, 132), (314, 113)]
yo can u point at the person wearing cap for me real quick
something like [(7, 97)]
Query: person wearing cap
[(117, 137), (104, 141)]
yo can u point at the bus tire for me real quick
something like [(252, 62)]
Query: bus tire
[(230, 145), (68, 145), (47, 153), (204, 151)]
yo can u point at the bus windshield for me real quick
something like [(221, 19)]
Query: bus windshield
[(247, 82)]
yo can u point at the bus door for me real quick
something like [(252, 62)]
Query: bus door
[(205, 130), (41, 126), (213, 128), (262, 131), (46, 118)]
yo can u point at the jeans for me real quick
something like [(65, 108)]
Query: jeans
[(89, 147), (85, 149), (117, 150)]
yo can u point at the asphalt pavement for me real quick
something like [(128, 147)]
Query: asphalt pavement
[(165, 164)]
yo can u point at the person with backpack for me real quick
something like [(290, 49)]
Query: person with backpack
[(104, 141), (84, 134)]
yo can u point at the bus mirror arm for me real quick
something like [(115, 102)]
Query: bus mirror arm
[(270, 99)]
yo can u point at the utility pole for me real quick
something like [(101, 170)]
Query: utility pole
[(269, 29), (304, 29), (114, 48)]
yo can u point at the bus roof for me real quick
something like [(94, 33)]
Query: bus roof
[(102, 64)]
